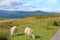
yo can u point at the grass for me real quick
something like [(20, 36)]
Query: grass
[(39, 26), (4, 34), (41, 34), (43, 28), (3, 19)]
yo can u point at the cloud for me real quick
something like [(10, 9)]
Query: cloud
[(50, 9), (37, 1), (51, 1), (9, 3), (20, 7), (16, 5)]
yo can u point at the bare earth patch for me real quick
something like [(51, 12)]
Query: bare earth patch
[(56, 36)]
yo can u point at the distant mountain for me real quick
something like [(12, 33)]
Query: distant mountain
[(21, 14)]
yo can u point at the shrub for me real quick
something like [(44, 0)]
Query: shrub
[(4, 35)]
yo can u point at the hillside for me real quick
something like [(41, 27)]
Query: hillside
[(1, 19), (43, 27), (21, 14)]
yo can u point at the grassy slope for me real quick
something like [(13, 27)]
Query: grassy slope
[(39, 26), (4, 19), (43, 27)]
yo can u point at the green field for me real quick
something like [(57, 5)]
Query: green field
[(43, 27)]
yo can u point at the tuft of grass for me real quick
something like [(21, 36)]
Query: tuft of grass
[(4, 34)]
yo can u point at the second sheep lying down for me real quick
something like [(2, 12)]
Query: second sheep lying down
[(29, 32)]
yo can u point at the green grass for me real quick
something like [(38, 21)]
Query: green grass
[(4, 19), (43, 28), (41, 33)]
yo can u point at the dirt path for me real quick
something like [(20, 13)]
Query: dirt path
[(8, 20), (56, 36)]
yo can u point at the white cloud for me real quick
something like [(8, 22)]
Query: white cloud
[(51, 1), (16, 5), (50, 9), (39, 1), (36, 1), (8, 2)]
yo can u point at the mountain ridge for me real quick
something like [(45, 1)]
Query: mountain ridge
[(21, 14)]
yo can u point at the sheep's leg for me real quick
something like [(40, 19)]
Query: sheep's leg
[(14, 34), (11, 34), (33, 36), (28, 34)]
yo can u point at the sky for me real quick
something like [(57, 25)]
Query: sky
[(30, 5)]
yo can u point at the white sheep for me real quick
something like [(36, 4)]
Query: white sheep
[(29, 32), (14, 30)]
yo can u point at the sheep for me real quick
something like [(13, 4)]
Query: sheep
[(29, 32), (14, 30)]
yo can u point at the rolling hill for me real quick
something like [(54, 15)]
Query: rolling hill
[(21, 14)]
